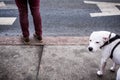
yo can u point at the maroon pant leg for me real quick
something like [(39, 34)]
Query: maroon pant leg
[(23, 16), (34, 7)]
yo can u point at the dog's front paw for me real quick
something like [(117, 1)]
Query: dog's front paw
[(99, 73), (112, 69)]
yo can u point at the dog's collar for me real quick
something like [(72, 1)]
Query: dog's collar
[(110, 40)]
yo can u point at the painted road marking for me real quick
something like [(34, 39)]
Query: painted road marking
[(7, 6), (7, 20), (107, 8), (2, 4), (10, 6)]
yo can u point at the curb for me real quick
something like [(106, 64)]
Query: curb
[(66, 40)]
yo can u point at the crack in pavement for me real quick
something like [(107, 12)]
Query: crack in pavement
[(39, 61)]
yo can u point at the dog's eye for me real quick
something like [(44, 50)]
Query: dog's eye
[(90, 40), (97, 42)]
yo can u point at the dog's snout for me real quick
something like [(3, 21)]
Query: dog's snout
[(90, 48)]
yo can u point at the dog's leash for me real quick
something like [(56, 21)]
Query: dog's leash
[(111, 56), (110, 41)]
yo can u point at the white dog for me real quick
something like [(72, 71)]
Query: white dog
[(109, 43)]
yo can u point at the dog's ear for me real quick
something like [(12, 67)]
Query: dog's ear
[(105, 39)]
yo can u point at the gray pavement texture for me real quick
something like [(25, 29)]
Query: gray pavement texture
[(50, 62), (19, 62), (71, 63), (56, 62)]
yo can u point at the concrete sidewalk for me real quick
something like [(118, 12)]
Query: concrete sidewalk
[(71, 62), (50, 61)]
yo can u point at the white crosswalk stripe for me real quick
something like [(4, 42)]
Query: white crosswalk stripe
[(2, 4), (7, 20), (7, 6), (107, 8)]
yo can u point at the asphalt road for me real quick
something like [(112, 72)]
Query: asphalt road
[(63, 18)]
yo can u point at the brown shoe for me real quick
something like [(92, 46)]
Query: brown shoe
[(25, 40), (39, 38)]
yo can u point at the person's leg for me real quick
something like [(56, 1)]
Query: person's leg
[(34, 7), (23, 16)]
